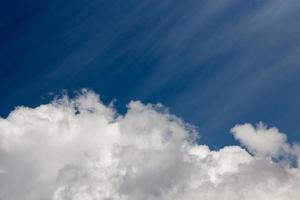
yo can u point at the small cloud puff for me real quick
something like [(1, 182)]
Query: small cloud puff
[(260, 140), (81, 149)]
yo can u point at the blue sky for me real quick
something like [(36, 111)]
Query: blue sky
[(213, 63)]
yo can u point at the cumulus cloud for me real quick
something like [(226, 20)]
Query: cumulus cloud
[(260, 140), (81, 149)]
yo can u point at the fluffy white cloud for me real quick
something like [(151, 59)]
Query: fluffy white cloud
[(260, 140), (80, 149)]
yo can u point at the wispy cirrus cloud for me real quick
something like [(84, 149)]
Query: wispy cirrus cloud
[(228, 59)]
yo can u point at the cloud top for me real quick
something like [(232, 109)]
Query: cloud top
[(81, 149), (260, 140)]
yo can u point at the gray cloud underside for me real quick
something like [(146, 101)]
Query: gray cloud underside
[(81, 149)]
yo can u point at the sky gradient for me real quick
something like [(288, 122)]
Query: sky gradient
[(149, 100), (212, 63)]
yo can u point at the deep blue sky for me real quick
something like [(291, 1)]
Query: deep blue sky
[(213, 63)]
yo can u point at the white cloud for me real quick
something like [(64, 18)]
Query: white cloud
[(80, 149), (260, 140)]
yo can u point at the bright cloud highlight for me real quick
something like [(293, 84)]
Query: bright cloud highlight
[(81, 149)]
